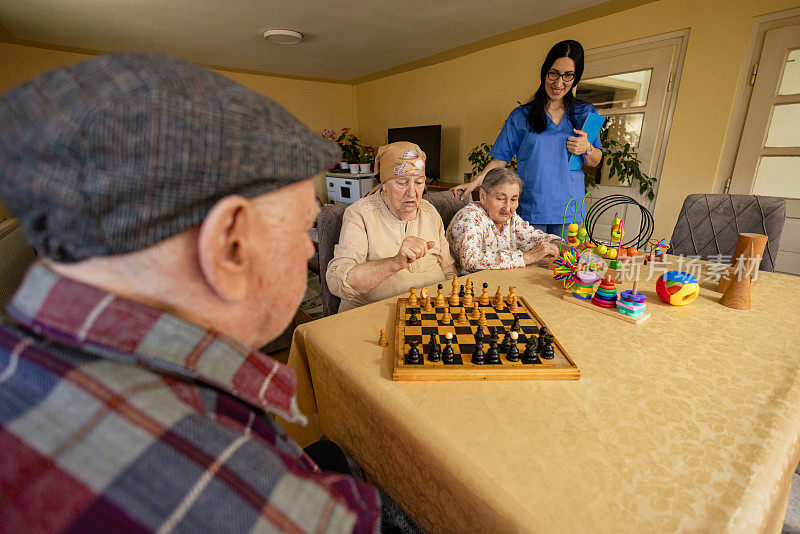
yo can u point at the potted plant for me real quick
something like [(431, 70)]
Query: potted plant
[(365, 161), (620, 156), (351, 148), (480, 158)]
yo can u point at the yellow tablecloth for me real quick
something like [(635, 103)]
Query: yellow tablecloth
[(688, 422)]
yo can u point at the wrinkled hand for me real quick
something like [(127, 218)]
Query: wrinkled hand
[(411, 249), (578, 144), (463, 190), (539, 251)]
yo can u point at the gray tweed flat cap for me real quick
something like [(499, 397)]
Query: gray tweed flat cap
[(119, 152)]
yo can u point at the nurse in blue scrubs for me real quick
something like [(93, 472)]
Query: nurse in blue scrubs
[(543, 134)]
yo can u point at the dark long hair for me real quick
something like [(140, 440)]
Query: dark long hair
[(537, 118)]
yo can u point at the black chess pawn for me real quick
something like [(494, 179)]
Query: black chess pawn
[(413, 357), (479, 335), (506, 342), (448, 356), (413, 320), (493, 356), (495, 336), (432, 350), (512, 354), (478, 357), (548, 352), (543, 331), (515, 325), (461, 291)]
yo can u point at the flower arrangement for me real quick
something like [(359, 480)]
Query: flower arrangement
[(350, 145)]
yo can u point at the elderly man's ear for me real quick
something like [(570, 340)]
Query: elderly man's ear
[(225, 247)]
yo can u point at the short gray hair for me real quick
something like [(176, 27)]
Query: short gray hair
[(499, 176)]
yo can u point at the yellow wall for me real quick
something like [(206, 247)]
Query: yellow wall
[(472, 95), (318, 104)]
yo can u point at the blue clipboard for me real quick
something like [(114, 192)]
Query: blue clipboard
[(592, 127)]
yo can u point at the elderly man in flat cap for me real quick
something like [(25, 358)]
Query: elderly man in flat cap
[(170, 209)]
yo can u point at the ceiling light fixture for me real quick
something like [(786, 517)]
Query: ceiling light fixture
[(283, 36)]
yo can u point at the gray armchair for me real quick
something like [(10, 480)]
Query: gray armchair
[(710, 225), (15, 258), (329, 224)]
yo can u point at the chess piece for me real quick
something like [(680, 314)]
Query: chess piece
[(428, 307), (512, 292), (461, 291), (468, 286), (467, 300), (482, 318), (432, 350), (493, 356), (413, 320), (512, 306), (529, 356), (484, 300), (494, 335), (515, 325), (506, 342), (478, 358), (454, 295), (413, 357), (440, 302), (512, 354), (446, 318), (543, 331), (475, 314), (462, 318), (448, 356), (498, 299), (548, 352), (382, 341), (479, 335), (412, 302)]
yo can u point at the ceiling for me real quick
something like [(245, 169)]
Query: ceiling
[(344, 39)]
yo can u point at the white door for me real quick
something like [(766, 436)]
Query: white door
[(632, 87), (768, 160)]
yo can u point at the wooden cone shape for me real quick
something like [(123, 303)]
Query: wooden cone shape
[(737, 294), (758, 242)]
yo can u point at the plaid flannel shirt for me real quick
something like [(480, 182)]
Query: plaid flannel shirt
[(118, 417)]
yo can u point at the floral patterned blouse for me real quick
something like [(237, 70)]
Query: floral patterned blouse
[(478, 244)]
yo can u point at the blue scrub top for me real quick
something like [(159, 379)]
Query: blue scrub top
[(543, 162)]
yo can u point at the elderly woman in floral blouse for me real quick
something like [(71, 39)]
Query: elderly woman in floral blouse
[(490, 235)]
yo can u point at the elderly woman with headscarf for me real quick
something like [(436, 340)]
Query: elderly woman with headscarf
[(490, 235), (392, 240)]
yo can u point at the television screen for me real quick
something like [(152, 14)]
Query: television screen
[(429, 139)]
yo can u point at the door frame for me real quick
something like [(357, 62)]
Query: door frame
[(744, 92), (672, 96)]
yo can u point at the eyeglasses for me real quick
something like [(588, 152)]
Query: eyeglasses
[(553, 75)]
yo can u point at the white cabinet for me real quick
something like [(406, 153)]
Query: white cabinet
[(347, 188)]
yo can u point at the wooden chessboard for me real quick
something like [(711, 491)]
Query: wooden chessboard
[(561, 367)]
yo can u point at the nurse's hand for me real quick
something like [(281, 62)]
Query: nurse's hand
[(462, 191), (578, 144)]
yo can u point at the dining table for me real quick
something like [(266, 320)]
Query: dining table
[(686, 422)]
